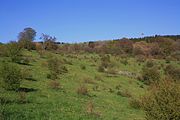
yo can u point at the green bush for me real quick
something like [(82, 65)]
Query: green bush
[(52, 75), (56, 67), (2, 50), (101, 68), (26, 73), (10, 76), (135, 103), (163, 101), (140, 59), (173, 72), (124, 61), (150, 75), (112, 71), (149, 63), (83, 67), (82, 90), (2, 108), (88, 80), (22, 97), (98, 78), (13, 50), (124, 93), (24, 61), (105, 61), (54, 85)]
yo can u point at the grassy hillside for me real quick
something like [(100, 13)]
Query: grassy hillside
[(43, 102), (108, 97)]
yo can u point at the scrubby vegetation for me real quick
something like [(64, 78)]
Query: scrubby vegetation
[(163, 101), (110, 80), (10, 76)]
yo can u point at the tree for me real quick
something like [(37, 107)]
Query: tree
[(26, 38), (10, 76), (49, 42), (163, 101)]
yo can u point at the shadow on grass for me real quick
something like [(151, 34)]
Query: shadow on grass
[(31, 79), (23, 89), (28, 64), (4, 101)]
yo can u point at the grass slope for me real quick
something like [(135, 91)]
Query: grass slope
[(65, 104)]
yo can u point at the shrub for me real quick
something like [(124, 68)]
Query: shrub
[(52, 75), (14, 50), (150, 75), (22, 97), (149, 63), (2, 108), (67, 61), (140, 59), (135, 103), (88, 80), (90, 107), (54, 85), (55, 66), (82, 90), (2, 50), (110, 90), (168, 59), (118, 87), (101, 68), (124, 93), (124, 61), (83, 67), (98, 78), (105, 61), (10, 76), (24, 61), (173, 72), (95, 88), (26, 74), (63, 69), (163, 101), (112, 71)]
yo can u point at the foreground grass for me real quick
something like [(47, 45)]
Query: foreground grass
[(43, 102)]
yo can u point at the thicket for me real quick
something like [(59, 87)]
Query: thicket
[(163, 101), (172, 72), (150, 73), (10, 76), (13, 50)]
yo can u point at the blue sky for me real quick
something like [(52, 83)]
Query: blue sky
[(85, 20)]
